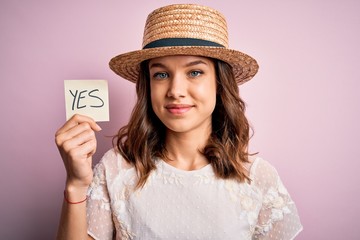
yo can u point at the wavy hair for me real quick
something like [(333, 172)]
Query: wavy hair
[(143, 138)]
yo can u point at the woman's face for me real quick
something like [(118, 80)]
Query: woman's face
[(183, 92)]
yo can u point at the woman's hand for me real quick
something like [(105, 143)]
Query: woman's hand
[(76, 142)]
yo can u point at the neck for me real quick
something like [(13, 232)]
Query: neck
[(184, 149)]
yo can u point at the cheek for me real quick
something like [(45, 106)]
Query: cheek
[(155, 98), (152, 92), (212, 92), (207, 92)]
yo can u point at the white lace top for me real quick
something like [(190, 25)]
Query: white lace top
[(178, 204)]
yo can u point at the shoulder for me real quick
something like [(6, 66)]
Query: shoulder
[(113, 161), (263, 173), (258, 164), (110, 169), (278, 216)]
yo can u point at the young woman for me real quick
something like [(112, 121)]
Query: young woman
[(180, 169)]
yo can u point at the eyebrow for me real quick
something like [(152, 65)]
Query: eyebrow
[(193, 63)]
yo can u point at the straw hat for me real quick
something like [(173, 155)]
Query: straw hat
[(185, 29)]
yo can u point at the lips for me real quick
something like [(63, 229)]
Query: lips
[(178, 108)]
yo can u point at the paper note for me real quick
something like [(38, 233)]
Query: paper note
[(87, 97)]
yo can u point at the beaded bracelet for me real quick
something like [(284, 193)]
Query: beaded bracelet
[(67, 200)]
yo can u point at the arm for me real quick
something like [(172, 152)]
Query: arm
[(76, 143), (73, 222), (278, 217)]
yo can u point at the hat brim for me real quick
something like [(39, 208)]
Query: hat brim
[(127, 65)]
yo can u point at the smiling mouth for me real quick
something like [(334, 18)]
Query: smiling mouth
[(178, 108)]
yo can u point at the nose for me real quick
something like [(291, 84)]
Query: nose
[(177, 87)]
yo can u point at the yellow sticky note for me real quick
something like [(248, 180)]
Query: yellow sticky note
[(87, 97)]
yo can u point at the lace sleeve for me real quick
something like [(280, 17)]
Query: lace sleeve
[(278, 217), (99, 217)]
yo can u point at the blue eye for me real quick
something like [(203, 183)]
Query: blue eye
[(161, 75), (195, 73)]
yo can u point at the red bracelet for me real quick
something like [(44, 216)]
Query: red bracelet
[(67, 200)]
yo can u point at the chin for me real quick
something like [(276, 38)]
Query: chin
[(177, 128)]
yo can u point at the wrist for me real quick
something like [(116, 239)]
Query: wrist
[(75, 184), (74, 194), (70, 201)]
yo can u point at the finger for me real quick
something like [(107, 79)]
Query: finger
[(78, 119), (80, 155), (74, 132), (80, 168), (75, 141), (81, 160), (84, 151)]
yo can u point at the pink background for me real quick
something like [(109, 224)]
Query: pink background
[(303, 104)]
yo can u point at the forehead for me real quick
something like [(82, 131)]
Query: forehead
[(180, 59)]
